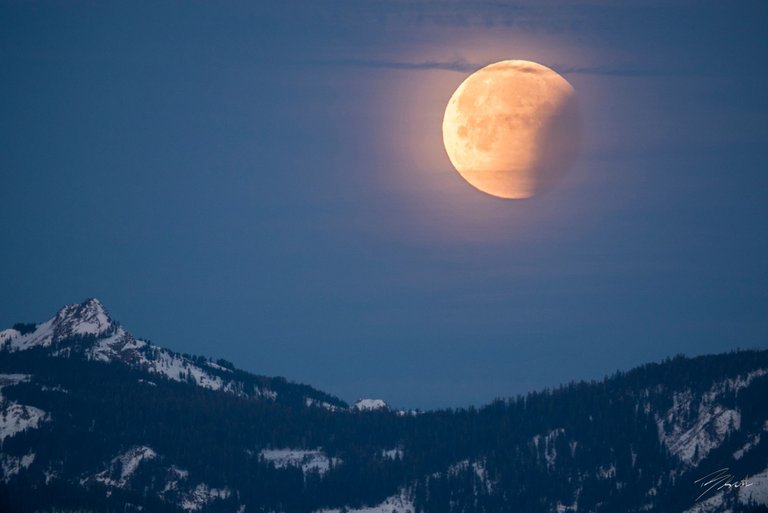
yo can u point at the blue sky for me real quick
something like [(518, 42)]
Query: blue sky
[(266, 182)]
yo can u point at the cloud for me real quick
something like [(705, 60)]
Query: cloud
[(623, 71), (456, 65), (464, 66)]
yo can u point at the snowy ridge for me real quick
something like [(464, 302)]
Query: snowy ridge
[(88, 318), (7, 335), (14, 340), (691, 440), (307, 460), (87, 330), (692, 443)]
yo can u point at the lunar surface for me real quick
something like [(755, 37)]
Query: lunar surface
[(512, 129)]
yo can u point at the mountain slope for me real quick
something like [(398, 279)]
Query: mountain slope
[(86, 331), (93, 419)]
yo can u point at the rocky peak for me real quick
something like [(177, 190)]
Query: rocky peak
[(87, 318)]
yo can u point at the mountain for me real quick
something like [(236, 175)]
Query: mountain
[(86, 331), (94, 419)]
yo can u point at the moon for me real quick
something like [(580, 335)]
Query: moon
[(512, 128)]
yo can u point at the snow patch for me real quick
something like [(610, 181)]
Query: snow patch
[(392, 454), (394, 504), (7, 380), (691, 444), (120, 345), (57, 388), (50, 475), (214, 365), (12, 465), (201, 496), (710, 505), (7, 335), (16, 417), (172, 479), (691, 429), (308, 460), (455, 469), (124, 465), (482, 474), (310, 402), (608, 472), (479, 469), (370, 405), (753, 441), (757, 491), (548, 445), (42, 336), (565, 508)]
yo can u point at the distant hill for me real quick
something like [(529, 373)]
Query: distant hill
[(94, 419)]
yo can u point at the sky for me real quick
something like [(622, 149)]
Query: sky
[(266, 182)]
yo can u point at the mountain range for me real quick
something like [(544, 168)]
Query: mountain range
[(95, 419)]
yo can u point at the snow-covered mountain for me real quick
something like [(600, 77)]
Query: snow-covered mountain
[(87, 331), (94, 419)]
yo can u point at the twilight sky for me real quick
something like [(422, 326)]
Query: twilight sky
[(266, 182)]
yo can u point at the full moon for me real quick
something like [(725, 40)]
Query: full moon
[(512, 128)]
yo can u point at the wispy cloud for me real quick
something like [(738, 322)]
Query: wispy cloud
[(463, 66), (456, 65), (619, 71)]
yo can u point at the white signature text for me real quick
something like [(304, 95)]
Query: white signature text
[(718, 480)]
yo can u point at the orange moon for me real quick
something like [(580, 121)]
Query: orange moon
[(512, 128)]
